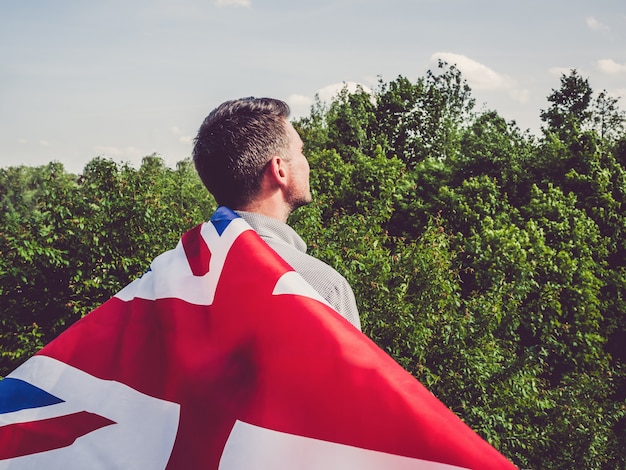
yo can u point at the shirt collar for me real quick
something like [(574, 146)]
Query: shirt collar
[(267, 227)]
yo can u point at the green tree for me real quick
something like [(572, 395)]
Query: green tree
[(608, 119), (497, 149), (422, 120), (34, 264), (570, 107)]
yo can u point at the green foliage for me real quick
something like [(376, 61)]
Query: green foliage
[(608, 119), (490, 263), (570, 108), (70, 242)]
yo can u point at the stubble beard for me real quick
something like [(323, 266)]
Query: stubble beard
[(300, 199)]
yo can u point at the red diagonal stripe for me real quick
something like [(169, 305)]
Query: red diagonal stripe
[(21, 439), (197, 251)]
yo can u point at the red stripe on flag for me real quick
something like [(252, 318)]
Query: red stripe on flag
[(197, 251), (31, 437)]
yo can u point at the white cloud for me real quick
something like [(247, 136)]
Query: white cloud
[(45, 143), (558, 71), (299, 100), (22, 141), (182, 137), (329, 92), (235, 3), (481, 77), (595, 25), (300, 105), (611, 67)]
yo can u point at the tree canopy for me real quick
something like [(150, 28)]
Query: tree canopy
[(489, 262)]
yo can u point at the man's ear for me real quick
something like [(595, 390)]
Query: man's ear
[(276, 171)]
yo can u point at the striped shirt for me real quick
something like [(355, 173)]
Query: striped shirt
[(331, 285)]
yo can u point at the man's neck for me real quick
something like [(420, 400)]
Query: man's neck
[(268, 209)]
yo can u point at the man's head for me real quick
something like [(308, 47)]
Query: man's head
[(235, 144)]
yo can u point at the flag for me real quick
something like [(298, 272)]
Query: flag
[(222, 357)]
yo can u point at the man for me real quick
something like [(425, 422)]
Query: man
[(250, 158)]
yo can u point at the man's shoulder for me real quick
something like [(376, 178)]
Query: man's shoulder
[(325, 279)]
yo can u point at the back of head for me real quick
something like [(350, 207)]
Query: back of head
[(234, 144)]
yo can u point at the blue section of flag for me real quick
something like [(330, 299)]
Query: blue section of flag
[(222, 217), (18, 395)]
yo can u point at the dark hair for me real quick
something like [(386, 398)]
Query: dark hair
[(234, 144)]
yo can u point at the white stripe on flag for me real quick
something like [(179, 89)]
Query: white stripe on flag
[(293, 283), (170, 274), (252, 447), (141, 438)]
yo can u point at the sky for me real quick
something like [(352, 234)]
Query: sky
[(125, 79)]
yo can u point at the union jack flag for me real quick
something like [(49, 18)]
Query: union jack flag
[(222, 357)]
